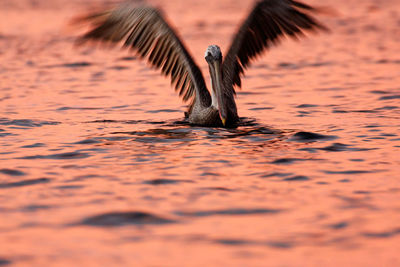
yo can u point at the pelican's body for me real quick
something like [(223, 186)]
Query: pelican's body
[(144, 30), (222, 109)]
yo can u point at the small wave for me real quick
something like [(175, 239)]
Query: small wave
[(26, 122), (35, 145), (222, 189), (165, 181), (4, 262), (113, 219), (77, 108), (336, 147), (297, 178), (227, 212), (79, 64), (12, 172), (307, 106), (350, 172), (289, 160), (249, 242), (382, 234), (61, 156), (389, 97), (339, 225), (276, 174), (163, 111), (309, 136), (25, 183)]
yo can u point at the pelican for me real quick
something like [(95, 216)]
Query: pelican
[(144, 29)]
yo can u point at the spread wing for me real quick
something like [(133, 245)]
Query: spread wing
[(266, 25), (144, 30)]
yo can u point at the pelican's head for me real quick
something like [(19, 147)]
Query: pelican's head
[(213, 53), (213, 57)]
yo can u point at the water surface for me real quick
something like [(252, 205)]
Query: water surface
[(97, 166)]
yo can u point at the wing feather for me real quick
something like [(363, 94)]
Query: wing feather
[(266, 25), (144, 30)]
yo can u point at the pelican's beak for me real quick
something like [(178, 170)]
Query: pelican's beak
[(223, 120), (216, 77)]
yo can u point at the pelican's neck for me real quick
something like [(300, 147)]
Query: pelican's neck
[(214, 98), (217, 92), (216, 83)]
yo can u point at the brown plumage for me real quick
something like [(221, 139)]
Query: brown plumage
[(144, 30)]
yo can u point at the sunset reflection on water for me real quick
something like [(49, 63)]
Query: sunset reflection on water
[(97, 166)]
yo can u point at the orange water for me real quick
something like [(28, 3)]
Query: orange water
[(97, 168)]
